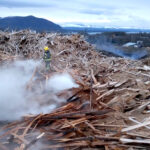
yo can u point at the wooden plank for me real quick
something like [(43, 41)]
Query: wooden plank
[(125, 140)]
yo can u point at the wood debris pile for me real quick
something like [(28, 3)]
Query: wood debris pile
[(110, 110)]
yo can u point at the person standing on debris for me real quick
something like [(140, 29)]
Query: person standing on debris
[(47, 58)]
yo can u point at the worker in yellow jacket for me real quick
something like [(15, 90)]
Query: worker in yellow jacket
[(47, 58)]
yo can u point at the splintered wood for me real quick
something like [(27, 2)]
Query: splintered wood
[(110, 109)]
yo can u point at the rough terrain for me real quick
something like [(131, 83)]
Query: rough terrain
[(110, 109)]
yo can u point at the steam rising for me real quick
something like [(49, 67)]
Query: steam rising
[(61, 82), (14, 98), (108, 47), (138, 54)]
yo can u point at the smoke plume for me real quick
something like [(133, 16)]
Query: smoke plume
[(14, 98), (134, 54), (60, 82)]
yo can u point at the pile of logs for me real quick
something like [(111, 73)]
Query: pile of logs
[(110, 109)]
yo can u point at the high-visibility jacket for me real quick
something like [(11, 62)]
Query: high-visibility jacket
[(47, 56)]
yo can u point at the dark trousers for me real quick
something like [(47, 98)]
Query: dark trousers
[(47, 65)]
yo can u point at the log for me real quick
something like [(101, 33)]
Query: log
[(76, 114), (129, 141), (137, 122), (108, 93), (135, 126)]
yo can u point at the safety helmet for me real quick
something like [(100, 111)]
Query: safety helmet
[(46, 48)]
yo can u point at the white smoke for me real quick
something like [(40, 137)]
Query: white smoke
[(60, 82), (136, 54), (14, 98)]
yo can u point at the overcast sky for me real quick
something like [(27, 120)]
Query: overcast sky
[(100, 13)]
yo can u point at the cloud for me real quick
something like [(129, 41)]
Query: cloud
[(93, 12), (100, 11), (27, 3), (96, 13)]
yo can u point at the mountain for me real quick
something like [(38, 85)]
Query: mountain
[(28, 22)]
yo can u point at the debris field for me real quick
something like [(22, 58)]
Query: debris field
[(108, 111)]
